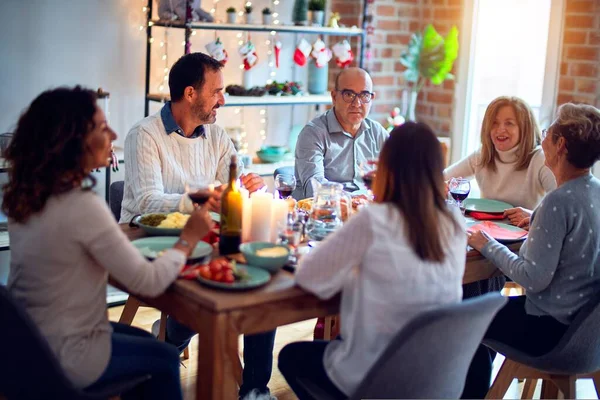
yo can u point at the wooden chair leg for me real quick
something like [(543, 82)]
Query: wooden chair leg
[(186, 353), (503, 380), (529, 388), (327, 328), (162, 331), (549, 390), (596, 378), (131, 306), (566, 384)]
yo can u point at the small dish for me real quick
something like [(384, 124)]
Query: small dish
[(486, 205), (273, 263), (256, 277)]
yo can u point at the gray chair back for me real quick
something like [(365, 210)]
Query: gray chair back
[(430, 357), (115, 198), (283, 170), (577, 352)]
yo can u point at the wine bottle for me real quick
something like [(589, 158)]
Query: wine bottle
[(231, 213)]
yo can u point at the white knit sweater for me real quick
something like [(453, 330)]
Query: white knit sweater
[(158, 165), (524, 188)]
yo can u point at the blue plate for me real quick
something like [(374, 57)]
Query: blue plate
[(257, 277), (151, 246)]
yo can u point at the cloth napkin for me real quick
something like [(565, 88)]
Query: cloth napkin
[(483, 215), (496, 231)]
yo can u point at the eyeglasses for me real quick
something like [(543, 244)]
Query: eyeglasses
[(349, 96)]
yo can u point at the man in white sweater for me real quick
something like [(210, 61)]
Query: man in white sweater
[(178, 145)]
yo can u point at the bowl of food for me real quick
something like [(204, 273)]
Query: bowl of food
[(161, 224), (154, 247), (265, 255)]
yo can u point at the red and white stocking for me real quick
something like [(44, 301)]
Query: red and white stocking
[(217, 51), (249, 56), (301, 53), (320, 53), (343, 54), (277, 51)]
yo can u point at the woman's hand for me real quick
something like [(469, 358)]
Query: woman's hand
[(478, 239), (198, 225), (517, 215)]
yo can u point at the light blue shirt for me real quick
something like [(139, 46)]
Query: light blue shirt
[(326, 153), (559, 263)]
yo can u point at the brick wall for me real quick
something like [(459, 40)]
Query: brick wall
[(580, 61)]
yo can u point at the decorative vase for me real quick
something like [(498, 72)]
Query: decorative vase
[(317, 78), (409, 104), (300, 13), (267, 19), (231, 17), (249, 19), (247, 81), (318, 17)]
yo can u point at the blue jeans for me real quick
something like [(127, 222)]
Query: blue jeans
[(258, 355), (136, 352)]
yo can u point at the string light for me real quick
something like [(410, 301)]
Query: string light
[(164, 44), (263, 129)]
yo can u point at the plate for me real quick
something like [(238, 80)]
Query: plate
[(257, 277), (215, 216), (486, 205), (155, 230), (508, 227), (150, 246)]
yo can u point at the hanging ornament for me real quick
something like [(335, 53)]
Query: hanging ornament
[(302, 52), (217, 51), (249, 56), (320, 53), (343, 54), (277, 49)]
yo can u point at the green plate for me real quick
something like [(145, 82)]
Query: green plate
[(486, 205), (257, 277), (154, 230), (151, 246), (215, 216), (505, 226)]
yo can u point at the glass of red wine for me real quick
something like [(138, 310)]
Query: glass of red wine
[(200, 192), (459, 190), (285, 185)]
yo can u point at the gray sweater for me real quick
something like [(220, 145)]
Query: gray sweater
[(60, 261), (559, 263)]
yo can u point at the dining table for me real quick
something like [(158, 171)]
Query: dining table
[(220, 316)]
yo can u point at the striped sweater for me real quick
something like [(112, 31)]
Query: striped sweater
[(158, 165)]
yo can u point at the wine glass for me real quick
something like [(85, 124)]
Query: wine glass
[(459, 190), (199, 190), (368, 170), (285, 185)]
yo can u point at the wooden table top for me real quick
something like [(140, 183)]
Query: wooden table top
[(282, 286)]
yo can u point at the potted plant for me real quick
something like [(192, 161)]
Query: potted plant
[(300, 12), (267, 16), (317, 8), (249, 16), (428, 57), (231, 15)]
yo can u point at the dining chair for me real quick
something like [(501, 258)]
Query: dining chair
[(577, 355), (115, 198), (29, 369), (283, 170), (430, 356)]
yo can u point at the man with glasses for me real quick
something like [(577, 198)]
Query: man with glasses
[(333, 145)]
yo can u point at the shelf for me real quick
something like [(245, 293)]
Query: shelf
[(319, 30), (239, 101)]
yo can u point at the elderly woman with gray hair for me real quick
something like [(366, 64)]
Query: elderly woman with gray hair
[(559, 263)]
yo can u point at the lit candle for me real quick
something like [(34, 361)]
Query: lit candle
[(246, 215), (279, 212), (260, 221)]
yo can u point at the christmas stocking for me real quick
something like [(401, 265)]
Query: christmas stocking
[(277, 50), (343, 54), (320, 53), (217, 51), (249, 56), (301, 53)]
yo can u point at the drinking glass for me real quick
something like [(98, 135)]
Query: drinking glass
[(199, 190), (367, 170), (285, 185), (459, 190)]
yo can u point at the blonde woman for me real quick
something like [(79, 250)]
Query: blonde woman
[(510, 164)]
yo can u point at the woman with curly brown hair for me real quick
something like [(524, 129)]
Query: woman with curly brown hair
[(65, 242)]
